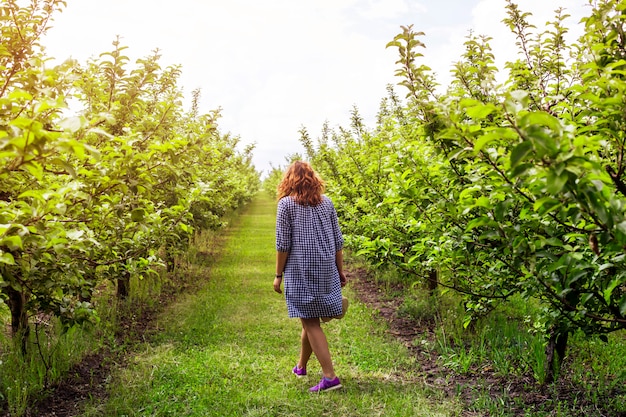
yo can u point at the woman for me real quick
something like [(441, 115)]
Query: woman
[(310, 259)]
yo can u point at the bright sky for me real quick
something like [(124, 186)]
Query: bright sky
[(274, 66)]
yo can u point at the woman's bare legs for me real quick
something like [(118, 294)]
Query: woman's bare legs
[(314, 340), (305, 350)]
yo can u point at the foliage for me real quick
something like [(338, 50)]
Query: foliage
[(107, 189), (510, 189)]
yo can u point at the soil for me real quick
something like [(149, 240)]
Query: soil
[(88, 379), (524, 392)]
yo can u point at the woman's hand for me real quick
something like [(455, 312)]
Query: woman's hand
[(277, 282), (339, 263), (342, 278)]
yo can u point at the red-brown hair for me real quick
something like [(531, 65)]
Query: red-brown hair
[(302, 183)]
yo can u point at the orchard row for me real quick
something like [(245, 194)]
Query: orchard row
[(104, 175)]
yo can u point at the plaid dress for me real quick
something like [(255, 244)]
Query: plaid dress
[(312, 236)]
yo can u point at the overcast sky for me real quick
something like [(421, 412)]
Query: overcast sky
[(274, 66)]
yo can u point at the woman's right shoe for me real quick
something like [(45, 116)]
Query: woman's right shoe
[(326, 385)]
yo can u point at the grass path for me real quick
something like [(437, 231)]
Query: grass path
[(228, 350)]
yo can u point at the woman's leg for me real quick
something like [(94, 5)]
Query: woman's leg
[(305, 350), (319, 345)]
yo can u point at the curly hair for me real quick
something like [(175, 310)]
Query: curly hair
[(302, 183)]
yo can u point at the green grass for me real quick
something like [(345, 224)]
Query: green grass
[(24, 379), (228, 349), (591, 380)]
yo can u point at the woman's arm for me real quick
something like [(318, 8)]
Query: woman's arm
[(339, 263), (281, 260)]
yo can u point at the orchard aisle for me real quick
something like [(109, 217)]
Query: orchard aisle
[(228, 349)]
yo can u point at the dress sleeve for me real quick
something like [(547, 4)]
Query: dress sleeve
[(336, 229), (283, 226)]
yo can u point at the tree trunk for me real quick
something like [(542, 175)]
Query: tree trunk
[(431, 282), (170, 261), (555, 353), (20, 327), (123, 285)]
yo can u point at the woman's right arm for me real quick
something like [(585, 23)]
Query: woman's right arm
[(339, 263), (283, 242), (281, 260)]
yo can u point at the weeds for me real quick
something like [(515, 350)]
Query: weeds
[(506, 345), (53, 351)]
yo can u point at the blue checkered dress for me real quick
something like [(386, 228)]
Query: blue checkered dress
[(312, 236)]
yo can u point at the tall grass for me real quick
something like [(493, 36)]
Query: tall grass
[(593, 376), (52, 352)]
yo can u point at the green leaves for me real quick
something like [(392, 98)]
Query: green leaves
[(6, 258), (518, 155), (73, 124), (555, 181), (96, 196), (137, 215), (12, 243), (476, 110), (511, 188), (415, 78)]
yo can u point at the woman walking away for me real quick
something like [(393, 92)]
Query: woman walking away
[(310, 259)]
